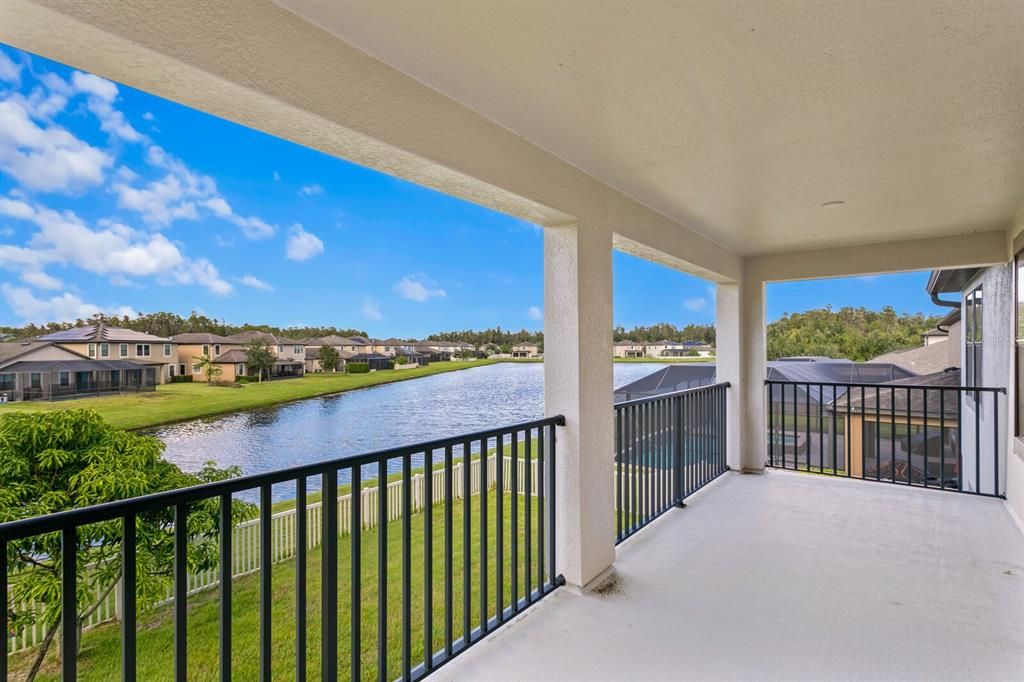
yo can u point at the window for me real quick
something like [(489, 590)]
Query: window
[(65, 378), (297, 350), (216, 349), (280, 349), (206, 349), (973, 338), (7, 382), (142, 350), (167, 350), (37, 379), (104, 350), (181, 370), (1018, 355), (92, 350), (124, 350)]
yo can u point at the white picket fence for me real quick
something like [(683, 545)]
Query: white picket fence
[(245, 542)]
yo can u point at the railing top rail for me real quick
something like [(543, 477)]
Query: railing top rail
[(854, 384), (72, 518), (673, 394)]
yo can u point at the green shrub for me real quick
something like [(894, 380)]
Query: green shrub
[(358, 367), (244, 379), (181, 379)]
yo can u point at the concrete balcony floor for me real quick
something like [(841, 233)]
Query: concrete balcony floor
[(788, 577)]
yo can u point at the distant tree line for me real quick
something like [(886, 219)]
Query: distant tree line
[(169, 324), (856, 334), (853, 333)]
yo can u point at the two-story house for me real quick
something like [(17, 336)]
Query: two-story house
[(100, 341)]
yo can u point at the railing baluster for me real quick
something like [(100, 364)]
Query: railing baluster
[(129, 573), (892, 433), (406, 565), (483, 537), (266, 586), (329, 573), (69, 604), (528, 523), (467, 547), (924, 407), (995, 443), (449, 489), (356, 574), (180, 593), (540, 511), (4, 601), (300, 578), (499, 522), (428, 561), (382, 569), (514, 531), (977, 443), (551, 509), (225, 576)]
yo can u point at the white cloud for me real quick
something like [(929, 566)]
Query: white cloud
[(535, 313), (46, 159), (371, 309), (302, 245), (41, 280), (179, 195), (9, 71), (65, 308), (695, 305), (148, 116), (255, 283), (203, 273), (311, 190), (98, 87), (113, 249), (112, 121), (419, 288)]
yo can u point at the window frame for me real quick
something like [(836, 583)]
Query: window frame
[(167, 350), (139, 347), (104, 350), (124, 350), (92, 350)]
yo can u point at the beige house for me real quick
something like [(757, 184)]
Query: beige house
[(526, 350), (101, 341), (628, 349), (192, 346), (313, 346), (290, 353)]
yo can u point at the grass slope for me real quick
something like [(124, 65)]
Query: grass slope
[(178, 402), (100, 654)]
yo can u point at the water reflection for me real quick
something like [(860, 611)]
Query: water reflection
[(320, 429)]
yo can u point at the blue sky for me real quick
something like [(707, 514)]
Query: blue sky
[(114, 200)]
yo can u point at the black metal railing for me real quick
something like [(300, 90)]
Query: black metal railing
[(480, 550), (940, 436), (667, 447)]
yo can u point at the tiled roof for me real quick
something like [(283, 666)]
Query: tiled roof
[(271, 339), (101, 332), (201, 337)]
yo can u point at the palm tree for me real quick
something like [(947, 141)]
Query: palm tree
[(207, 365)]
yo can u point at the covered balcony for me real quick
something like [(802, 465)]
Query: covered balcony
[(743, 143)]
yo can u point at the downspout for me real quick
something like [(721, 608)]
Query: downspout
[(945, 304)]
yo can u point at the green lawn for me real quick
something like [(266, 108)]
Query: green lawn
[(178, 402), (100, 656), (664, 360)]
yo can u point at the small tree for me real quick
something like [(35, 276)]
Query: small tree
[(329, 358), (207, 365), (259, 356), (54, 461)]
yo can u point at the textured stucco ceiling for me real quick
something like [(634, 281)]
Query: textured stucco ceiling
[(741, 119)]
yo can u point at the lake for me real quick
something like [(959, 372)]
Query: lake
[(378, 418)]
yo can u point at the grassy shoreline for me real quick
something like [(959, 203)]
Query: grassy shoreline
[(172, 403)]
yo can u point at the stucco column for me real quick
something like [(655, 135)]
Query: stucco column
[(740, 340), (578, 384)]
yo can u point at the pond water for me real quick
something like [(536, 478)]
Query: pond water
[(378, 418)]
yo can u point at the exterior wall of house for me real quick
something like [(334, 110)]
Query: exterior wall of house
[(996, 370), (156, 354), (953, 343), (190, 353), (629, 351), (229, 372)]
